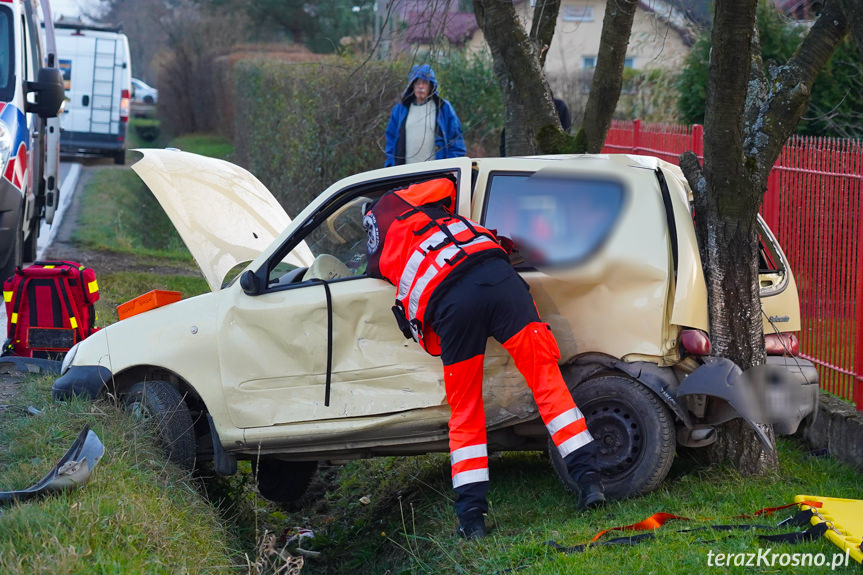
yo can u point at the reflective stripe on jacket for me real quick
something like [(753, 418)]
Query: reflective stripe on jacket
[(415, 243)]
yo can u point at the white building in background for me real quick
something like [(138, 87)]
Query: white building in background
[(661, 35)]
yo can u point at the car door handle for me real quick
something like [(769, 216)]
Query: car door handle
[(85, 100)]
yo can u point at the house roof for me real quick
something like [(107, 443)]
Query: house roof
[(427, 25)]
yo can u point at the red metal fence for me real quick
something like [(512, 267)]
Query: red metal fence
[(814, 204)]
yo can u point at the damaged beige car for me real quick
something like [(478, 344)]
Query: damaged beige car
[(295, 357)]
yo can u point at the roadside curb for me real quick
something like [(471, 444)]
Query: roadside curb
[(838, 429), (48, 232)]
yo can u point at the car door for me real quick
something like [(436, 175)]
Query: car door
[(321, 343), (590, 248)]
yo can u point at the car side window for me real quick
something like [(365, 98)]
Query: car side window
[(335, 247), (553, 219), (334, 240)]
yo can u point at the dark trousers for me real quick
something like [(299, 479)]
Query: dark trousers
[(492, 300)]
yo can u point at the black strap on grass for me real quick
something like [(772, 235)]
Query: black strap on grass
[(800, 519)]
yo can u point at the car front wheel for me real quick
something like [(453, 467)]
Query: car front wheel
[(634, 432), (283, 481), (161, 403)]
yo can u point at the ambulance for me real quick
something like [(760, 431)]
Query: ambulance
[(31, 95)]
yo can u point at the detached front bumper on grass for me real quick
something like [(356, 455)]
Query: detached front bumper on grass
[(82, 380)]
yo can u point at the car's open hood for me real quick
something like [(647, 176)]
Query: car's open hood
[(223, 213)]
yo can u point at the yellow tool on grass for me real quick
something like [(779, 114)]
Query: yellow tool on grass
[(844, 518)]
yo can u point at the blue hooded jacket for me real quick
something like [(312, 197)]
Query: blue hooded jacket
[(449, 142)]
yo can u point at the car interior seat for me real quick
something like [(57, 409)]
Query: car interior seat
[(327, 267)]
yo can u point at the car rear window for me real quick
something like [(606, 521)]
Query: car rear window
[(554, 219)]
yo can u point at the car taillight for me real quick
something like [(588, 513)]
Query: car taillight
[(695, 341), (124, 106), (781, 344)]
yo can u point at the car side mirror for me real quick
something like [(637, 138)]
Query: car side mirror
[(50, 93), (249, 282)]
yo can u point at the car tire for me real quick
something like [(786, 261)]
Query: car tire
[(31, 246), (149, 100), (634, 432), (283, 481), (161, 403), (120, 157), (14, 259)]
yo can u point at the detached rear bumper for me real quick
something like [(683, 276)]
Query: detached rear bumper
[(799, 399), (782, 393), (84, 380)]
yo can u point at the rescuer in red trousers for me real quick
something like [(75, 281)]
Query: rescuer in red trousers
[(455, 289)]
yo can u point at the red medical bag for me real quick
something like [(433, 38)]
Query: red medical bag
[(49, 308)]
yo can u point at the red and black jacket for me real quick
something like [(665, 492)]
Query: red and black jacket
[(418, 244)]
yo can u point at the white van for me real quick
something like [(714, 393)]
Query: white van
[(97, 72), (31, 93)]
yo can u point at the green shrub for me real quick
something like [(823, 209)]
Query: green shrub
[(301, 126), (468, 81)]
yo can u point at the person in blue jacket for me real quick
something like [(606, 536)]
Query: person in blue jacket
[(423, 126)]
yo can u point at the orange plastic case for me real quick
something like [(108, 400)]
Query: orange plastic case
[(145, 302)]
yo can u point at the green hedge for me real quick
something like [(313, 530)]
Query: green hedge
[(300, 126)]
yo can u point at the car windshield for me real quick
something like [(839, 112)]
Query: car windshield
[(553, 219), (7, 55)]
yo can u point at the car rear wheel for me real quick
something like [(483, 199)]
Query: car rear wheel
[(634, 432), (283, 481), (160, 403)]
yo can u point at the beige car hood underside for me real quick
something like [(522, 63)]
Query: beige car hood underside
[(224, 214)]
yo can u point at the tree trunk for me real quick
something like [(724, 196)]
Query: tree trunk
[(854, 13), (748, 119), (608, 75), (542, 27), (531, 121), (526, 96)]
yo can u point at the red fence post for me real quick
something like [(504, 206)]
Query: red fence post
[(636, 136), (698, 141), (857, 392), (770, 202)]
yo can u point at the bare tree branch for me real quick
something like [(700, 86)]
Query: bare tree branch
[(527, 98), (608, 75), (791, 89), (542, 27)]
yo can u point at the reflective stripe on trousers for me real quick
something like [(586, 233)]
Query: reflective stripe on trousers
[(535, 352), (467, 437)]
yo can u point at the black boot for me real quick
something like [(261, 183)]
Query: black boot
[(470, 506), (583, 467), (471, 525), (592, 494)]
